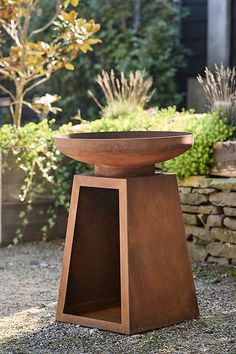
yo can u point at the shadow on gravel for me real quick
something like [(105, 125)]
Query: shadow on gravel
[(29, 282), (208, 334)]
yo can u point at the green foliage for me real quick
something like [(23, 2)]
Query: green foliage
[(30, 62), (44, 169), (232, 272), (135, 34), (207, 129)]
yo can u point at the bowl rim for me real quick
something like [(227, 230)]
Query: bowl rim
[(89, 136)]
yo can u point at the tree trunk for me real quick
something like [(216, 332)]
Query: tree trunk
[(18, 106)]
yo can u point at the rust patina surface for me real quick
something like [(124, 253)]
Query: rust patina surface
[(124, 153), (126, 267)]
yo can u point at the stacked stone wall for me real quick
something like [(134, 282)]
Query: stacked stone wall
[(209, 212)]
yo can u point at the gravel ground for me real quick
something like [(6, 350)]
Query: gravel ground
[(29, 275)]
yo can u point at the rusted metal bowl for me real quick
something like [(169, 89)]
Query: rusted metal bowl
[(117, 154)]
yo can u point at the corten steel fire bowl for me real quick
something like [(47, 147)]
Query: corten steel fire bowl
[(117, 154)]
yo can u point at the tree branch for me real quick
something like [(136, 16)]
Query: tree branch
[(12, 111), (34, 77), (48, 24), (35, 3), (11, 30), (36, 84), (3, 72), (7, 92), (28, 104)]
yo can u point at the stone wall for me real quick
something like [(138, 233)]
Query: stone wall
[(209, 211)]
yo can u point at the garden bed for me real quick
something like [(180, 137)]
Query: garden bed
[(28, 295), (16, 221)]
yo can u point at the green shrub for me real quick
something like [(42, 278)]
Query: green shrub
[(207, 129), (44, 169), (135, 35)]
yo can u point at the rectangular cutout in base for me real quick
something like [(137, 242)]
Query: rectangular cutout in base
[(93, 288), (120, 228), (110, 314)]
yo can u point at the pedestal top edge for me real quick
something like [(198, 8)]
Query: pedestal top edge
[(101, 178)]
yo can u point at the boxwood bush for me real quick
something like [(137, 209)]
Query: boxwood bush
[(207, 129)]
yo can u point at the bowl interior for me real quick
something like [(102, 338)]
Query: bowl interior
[(126, 135)]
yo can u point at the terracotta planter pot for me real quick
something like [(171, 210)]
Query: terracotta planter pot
[(224, 159), (11, 207)]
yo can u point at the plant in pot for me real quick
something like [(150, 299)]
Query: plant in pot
[(29, 159), (220, 90)]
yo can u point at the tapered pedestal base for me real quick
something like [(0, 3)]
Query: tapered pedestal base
[(126, 267)]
